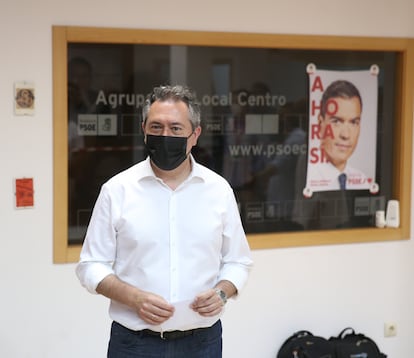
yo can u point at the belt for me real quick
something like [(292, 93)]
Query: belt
[(167, 335), (170, 335)]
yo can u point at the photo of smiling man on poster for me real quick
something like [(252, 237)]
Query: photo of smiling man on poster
[(336, 131)]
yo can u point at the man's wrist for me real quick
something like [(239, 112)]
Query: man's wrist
[(222, 295)]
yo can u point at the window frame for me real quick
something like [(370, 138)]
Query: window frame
[(402, 151)]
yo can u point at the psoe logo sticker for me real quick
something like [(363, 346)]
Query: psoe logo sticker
[(107, 124), (254, 212), (87, 124)]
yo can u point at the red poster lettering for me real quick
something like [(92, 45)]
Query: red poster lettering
[(315, 131), (331, 107), (328, 132), (317, 155), (317, 84), (315, 107), (314, 155)]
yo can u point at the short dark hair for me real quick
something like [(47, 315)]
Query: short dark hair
[(339, 88), (176, 93)]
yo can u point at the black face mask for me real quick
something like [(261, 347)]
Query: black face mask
[(167, 152)]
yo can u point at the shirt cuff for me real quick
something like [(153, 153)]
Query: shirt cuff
[(90, 274), (237, 274)]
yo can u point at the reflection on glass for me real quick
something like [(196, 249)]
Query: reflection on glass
[(255, 127)]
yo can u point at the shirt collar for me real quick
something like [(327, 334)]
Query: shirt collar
[(334, 169), (147, 172), (196, 169)]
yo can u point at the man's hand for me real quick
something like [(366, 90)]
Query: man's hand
[(208, 303), (152, 308)]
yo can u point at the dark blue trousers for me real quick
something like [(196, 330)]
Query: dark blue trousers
[(205, 343)]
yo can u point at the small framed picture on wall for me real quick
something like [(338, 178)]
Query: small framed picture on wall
[(24, 99)]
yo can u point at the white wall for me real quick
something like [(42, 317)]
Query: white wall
[(44, 311)]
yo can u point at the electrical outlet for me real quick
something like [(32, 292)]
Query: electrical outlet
[(390, 329)]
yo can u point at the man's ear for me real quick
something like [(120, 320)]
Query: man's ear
[(318, 130), (197, 133), (143, 131), (320, 119)]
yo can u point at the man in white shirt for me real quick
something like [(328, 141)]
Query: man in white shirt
[(339, 129), (165, 242)]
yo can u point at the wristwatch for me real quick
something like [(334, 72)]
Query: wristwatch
[(222, 295)]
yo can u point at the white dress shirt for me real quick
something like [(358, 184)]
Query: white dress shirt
[(175, 243)]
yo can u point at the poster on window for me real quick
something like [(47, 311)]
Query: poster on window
[(342, 130)]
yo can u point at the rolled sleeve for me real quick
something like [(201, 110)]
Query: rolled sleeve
[(237, 274), (90, 274), (99, 247), (236, 254)]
